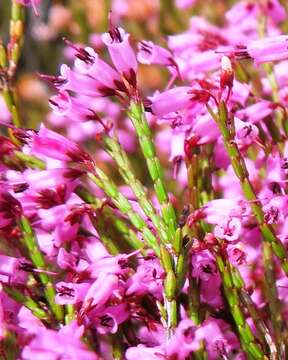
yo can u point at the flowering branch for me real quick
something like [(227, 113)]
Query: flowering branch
[(241, 172), (137, 115)]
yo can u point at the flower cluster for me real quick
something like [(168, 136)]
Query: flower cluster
[(148, 225)]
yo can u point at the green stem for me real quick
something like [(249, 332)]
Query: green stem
[(121, 202), (137, 115), (9, 60), (120, 225), (37, 259), (30, 160), (242, 174), (16, 35), (26, 301), (69, 313), (115, 150), (272, 293), (248, 340)]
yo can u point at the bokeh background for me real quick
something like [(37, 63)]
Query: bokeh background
[(82, 22)]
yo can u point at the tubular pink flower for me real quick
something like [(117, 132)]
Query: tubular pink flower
[(203, 266), (70, 293), (269, 49), (183, 342), (102, 289), (51, 144), (78, 82), (144, 353), (216, 210), (11, 269), (246, 132), (52, 345), (171, 100), (113, 317), (90, 64), (121, 52), (149, 53)]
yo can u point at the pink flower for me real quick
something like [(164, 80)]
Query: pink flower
[(11, 269), (121, 53), (228, 229), (216, 210), (170, 100), (203, 265), (269, 49), (218, 338), (149, 53), (70, 293), (112, 318), (52, 345), (144, 353), (51, 144), (183, 342), (184, 4), (276, 210), (88, 63), (102, 289)]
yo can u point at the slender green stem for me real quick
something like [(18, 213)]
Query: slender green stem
[(10, 58), (10, 100), (121, 202), (37, 259), (241, 172), (16, 35), (137, 115), (128, 234), (248, 340), (118, 346), (30, 160), (194, 300), (272, 293), (27, 301), (115, 150), (262, 329), (69, 313)]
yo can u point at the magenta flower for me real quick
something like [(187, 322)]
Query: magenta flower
[(88, 63), (170, 101), (149, 53), (184, 341), (70, 293), (102, 289), (228, 229), (145, 353), (52, 345), (121, 53), (12, 269), (56, 146), (269, 49)]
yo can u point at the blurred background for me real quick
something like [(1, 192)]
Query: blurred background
[(82, 22)]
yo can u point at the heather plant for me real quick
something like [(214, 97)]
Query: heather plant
[(143, 203)]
